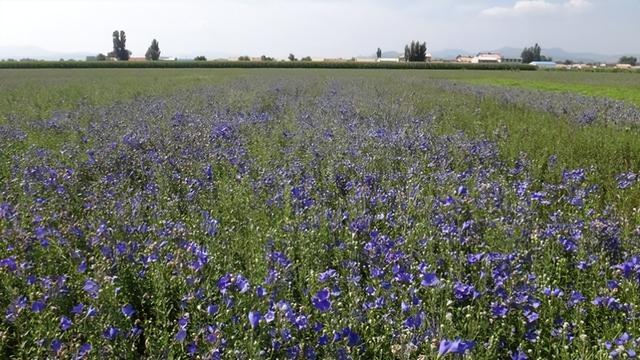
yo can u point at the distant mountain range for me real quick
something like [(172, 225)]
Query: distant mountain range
[(511, 52), (32, 52)]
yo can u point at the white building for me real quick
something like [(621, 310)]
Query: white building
[(389, 60), (467, 59), (543, 64), (482, 58)]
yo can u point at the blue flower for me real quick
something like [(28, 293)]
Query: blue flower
[(456, 346), (128, 310), (65, 323), (429, 280), (321, 300), (254, 318), (111, 333), (91, 287)]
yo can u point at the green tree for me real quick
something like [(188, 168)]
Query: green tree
[(292, 57), (200, 58), (266, 58), (101, 57), (379, 53), (120, 51), (533, 53), (306, 58), (630, 60), (244, 58), (415, 51), (153, 52)]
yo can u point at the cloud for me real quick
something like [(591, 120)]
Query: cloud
[(534, 7)]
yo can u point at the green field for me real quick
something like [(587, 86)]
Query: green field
[(318, 213)]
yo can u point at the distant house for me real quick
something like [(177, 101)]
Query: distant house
[(484, 58), (428, 57), (543, 64), (467, 59), (512, 60), (624, 66), (367, 60), (168, 58), (389, 60)]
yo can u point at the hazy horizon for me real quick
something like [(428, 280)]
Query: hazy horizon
[(319, 28)]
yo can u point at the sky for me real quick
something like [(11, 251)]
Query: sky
[(320, 28)]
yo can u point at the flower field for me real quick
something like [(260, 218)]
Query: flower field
[(315, 215)]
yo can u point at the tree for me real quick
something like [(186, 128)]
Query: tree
[(292, 57), (200, 58), (415, 51), (629, 60), (379, 53), (153, 52), (244, 58), (533, 54), (101, 57), (120, 51), (306, 58), (266, 58)]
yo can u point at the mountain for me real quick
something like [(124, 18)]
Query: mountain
[(32, 52)]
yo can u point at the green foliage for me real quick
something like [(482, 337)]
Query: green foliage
[(306, 58), (261, 64), (244, 58), (629, 60), (533, 54), (415, 51), (292, 57), (120, 51), (101, 57), (153, 52), (266, 58), (200, 58)]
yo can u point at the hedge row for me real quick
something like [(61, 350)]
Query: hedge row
[(256, 64)]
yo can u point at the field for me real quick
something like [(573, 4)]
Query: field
[(319, 213)]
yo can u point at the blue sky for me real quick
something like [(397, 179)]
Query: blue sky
[(320, 28)]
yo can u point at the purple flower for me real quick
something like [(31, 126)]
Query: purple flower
[(519, 355), (330, 273), (128, 310), (111, 333), (499, 310), (429, 280), (212, 309), (531, 316), (321, 300), (254, 318), (463, 292), (456, 346), (192, 348), (38, 306), (56, 345), (84, 350), (77, 309), (181, 335), (65, 323), (91, 287)]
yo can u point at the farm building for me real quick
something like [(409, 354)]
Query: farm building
[(483, 58), (389, 60), (544, 64), (623, 66), (464, 59)]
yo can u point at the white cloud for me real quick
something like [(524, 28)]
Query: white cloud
[(536, 7)]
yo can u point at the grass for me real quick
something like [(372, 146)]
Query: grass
[(297, 167), (620, 86)]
